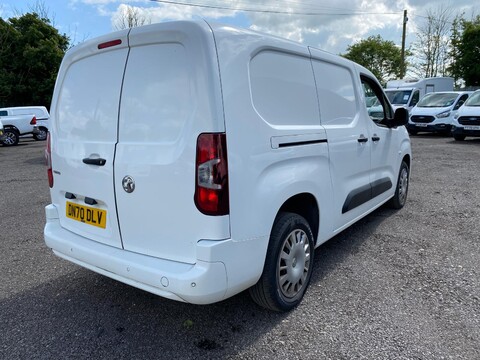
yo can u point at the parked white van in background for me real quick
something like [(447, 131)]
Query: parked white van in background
[(194, 160), (435, 112), (408, 92), (466, 121)]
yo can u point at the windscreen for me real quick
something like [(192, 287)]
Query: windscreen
[(398, 97), (434, 100), (473, 100)]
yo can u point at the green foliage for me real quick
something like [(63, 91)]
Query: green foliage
[(383, 58), (453, 69), (469, 52), (31, 51)]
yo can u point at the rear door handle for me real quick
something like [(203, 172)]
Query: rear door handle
[(98, 162), (362, 139)]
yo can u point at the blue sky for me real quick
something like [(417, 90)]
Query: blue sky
[(336, 24)]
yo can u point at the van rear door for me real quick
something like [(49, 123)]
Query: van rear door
[(171, 94), (85, 119)]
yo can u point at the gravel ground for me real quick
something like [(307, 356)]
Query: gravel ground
[(396, 285)]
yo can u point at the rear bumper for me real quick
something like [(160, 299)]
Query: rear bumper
[(223, 268)]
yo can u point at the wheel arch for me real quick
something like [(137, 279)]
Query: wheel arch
[(11, 127), (306, 205)]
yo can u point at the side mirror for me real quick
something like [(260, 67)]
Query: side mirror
[(459, 104), (399, 119)]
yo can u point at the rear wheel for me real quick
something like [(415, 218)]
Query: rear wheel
[(11, 137), (42, 135), (459, 137), (288, 264), (400, 197)]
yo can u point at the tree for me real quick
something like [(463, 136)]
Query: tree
[(128, 17), (383, 58), (31, 51), (453, 68), (469, 52), (433, 42)]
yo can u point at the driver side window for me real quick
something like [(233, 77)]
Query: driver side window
[(415, 98), (376, 103)]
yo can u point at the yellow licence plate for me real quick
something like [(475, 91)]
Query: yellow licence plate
[(87, 214)]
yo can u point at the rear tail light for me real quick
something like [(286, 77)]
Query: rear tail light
[(211, 190), (48, 160), (34, 121)]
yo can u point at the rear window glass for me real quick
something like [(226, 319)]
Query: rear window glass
[(283, 89), (89, 97), (157, 100)]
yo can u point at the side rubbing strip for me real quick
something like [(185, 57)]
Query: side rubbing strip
[(357, 197), (365, 193), (298, 139), (380, 186)]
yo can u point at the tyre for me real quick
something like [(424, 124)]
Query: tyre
[(459, 137), (42, 135), (11, 137), (400, 197), (288, 264)]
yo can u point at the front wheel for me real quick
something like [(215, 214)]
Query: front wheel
[(400, 197), (11, 137), (288, 264), (459, 137)]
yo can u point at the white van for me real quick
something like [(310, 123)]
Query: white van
[(195, 161), (466, 121), (407, 92), (435, 112)]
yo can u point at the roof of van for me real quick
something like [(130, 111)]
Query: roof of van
[(218, 29)]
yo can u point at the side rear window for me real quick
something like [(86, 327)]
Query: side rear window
[(3, 113), (336, 94), (283, 89)]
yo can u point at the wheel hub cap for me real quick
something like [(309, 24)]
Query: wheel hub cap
[(294, 263)]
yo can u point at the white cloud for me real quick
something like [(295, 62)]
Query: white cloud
[(333, 29)]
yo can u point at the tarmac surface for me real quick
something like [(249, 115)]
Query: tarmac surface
[(396, 285)]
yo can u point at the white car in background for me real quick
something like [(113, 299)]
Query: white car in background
[(435, 112), (466, 121), (1, 131), (40, 129)]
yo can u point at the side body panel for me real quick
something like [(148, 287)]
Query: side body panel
[(276, 145)]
